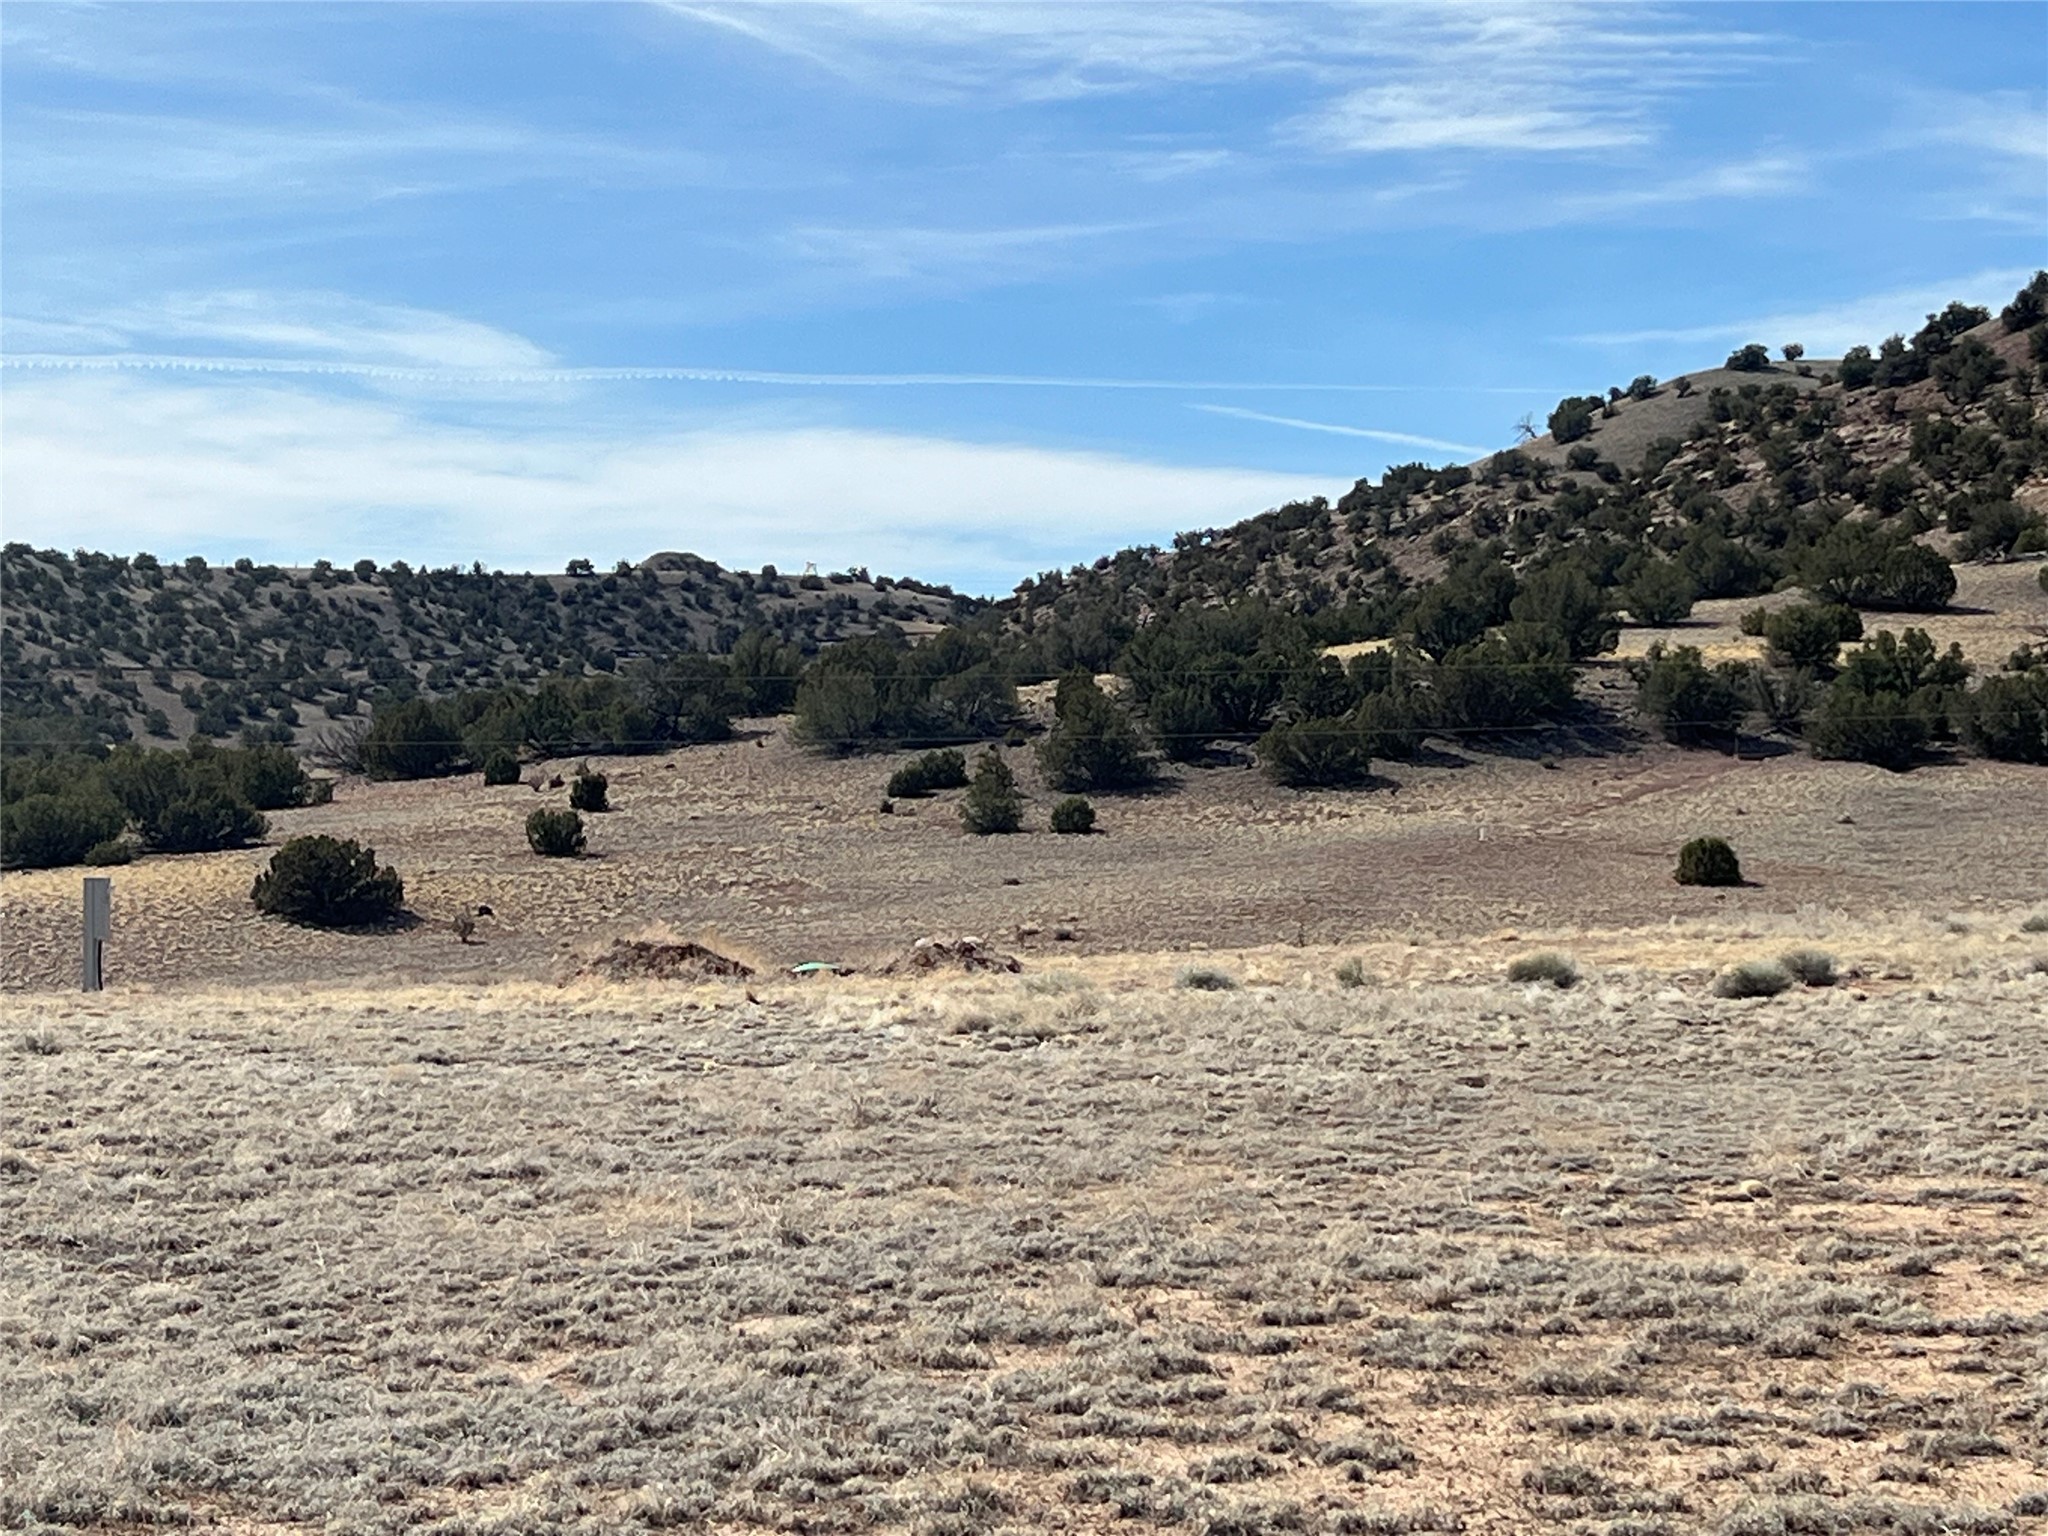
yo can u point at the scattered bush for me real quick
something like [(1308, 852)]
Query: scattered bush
[(115, 850), (1809, 967), (2035, 923), (1660, 595), (555, 834), (1558, 970), (328, 882), (2007, 717), (590, 791), (1692, 702), (1708, 861), (1315, 753), (1868, 565), (2002, 530), (1092, 745), (1808, 635), (1573, 418), (1205, 978), (1754, 358), (411, 740), (946, 769), (50, 831), (992, 804), (1352, 973), (1073, 815), (204, 819), (1753, 978), (501, 767)]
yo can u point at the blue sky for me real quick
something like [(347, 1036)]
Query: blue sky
[(958, 291)]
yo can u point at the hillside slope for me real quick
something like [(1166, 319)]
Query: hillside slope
[(98, 646), (1944, 437)]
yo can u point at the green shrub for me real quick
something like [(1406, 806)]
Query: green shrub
[(1660, 595), (1883, 728), (555, 834), (2007, 717), (1073, 815), (1558, 970), (1753, 978), (1871, 565), (1692, 702), (1517, 676), (115, 850), (992, 804), (328, 882), (1809, 634), (945, 769), (206, 818), (1573, 418), (1754, 358), (2035, 923), (269, 778), (49, 831), (1352, 973), (1809, 967), (1708, 861), (1205, 978), (1093, 745), (590, 791), (501, 767), (1562, 601), (411, 740), (2001, 530), (1315, 754)]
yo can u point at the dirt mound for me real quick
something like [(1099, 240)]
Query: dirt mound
[(929, 955), (663, 960)]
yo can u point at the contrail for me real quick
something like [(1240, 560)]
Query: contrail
[(139, 362), (1329, 426)]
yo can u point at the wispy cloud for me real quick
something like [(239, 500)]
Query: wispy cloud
[(2007, 123), (1758, 176), (1831, 329), (261, 468), (317, 367), (319, 329), (945, 255), (1376, 434), (355, 152)]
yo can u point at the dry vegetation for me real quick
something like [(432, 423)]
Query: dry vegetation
[(1067, 1250), (1260, 1200)]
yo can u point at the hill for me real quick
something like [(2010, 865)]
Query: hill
[(101, 648), (1459, 601), (1734, 472)]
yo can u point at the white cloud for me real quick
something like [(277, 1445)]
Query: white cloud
[(122, 462), (2005, 124), (1377, 434), (1832, 329), (937, 255), (319, 327), (1519, 78), (359, 151), (1770, 175)]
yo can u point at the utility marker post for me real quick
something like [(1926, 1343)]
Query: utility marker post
[(99, 927)]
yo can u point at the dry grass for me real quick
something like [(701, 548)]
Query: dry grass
[(1026, 1253), (1997, 609), (786, 854)]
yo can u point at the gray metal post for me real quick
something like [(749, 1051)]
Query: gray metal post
[(99, 926)]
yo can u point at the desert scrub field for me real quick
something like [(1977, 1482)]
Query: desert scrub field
[(1065, 1250)]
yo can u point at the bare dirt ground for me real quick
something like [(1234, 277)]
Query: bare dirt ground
[(1074, 1250), (783, 857)]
